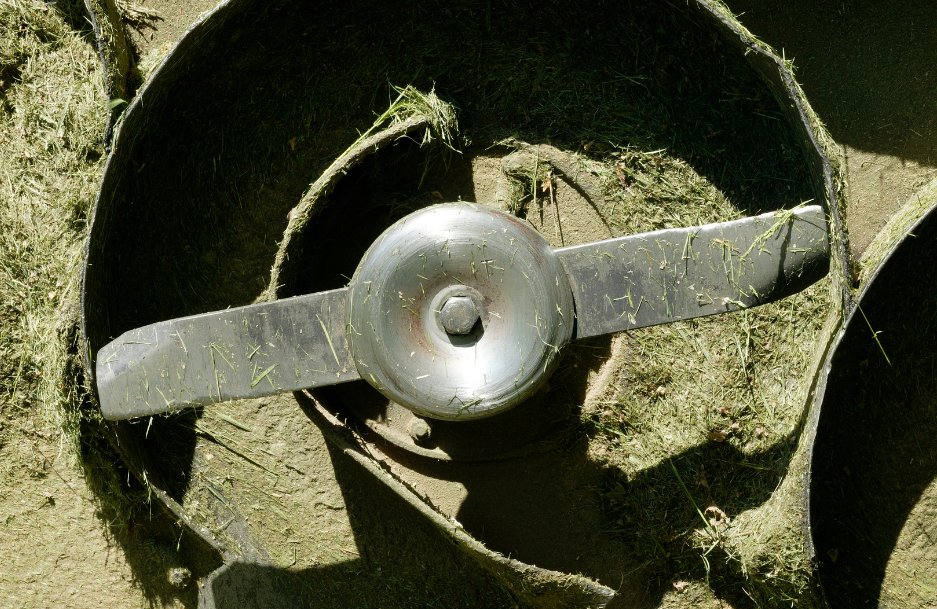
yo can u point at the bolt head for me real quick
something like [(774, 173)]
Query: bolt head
[(458, 315), (420, 430)]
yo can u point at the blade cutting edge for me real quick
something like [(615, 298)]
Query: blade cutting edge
[(245, 352), (674, 274)]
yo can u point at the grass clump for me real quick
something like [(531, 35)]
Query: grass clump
[(53, 115), (51, 103), (52, 124), (697, 433)]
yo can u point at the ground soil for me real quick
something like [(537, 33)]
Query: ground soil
[(866, 69), (57, 549), (166, 22)]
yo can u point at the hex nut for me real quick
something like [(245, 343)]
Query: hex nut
[(458, 315), (420, 430)]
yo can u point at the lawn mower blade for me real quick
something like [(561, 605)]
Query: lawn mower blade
[(674, 274), (247, 352), (617, 284)]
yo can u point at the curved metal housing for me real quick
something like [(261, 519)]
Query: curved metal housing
[(203, 52), (870, 417)]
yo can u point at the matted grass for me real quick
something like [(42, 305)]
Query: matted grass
[(700, 427), (697, 429), (51, 100)]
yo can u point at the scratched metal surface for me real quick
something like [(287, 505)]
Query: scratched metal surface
[(249, 351), (669, 275)]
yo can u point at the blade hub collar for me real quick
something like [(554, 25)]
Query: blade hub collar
[(459, 311)]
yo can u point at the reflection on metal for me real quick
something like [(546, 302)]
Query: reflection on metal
[(460, 311), (406, 354)]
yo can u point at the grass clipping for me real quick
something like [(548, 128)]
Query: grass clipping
[(698, 435)]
